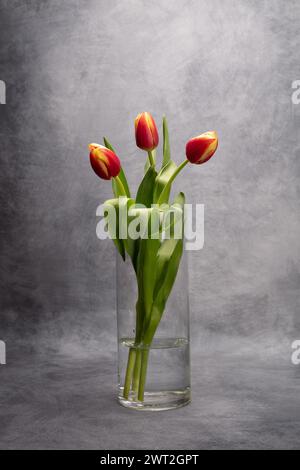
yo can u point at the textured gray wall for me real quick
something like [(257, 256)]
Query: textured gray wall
[(76, 71)]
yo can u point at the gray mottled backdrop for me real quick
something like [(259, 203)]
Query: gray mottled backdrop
[(76, 71)]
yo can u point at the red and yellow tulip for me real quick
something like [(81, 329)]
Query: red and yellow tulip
[(105, 162), (201, 148), (146, 134)]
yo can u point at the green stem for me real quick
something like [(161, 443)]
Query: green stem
[(129, 371), (121, 189), (144, 364), (151, 158), (137, 371), (138, 337), (168, 185)]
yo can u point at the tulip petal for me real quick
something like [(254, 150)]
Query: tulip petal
[(201, 148), (104, 162), (146, 134)]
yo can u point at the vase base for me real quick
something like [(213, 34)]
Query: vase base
[(157, 401)]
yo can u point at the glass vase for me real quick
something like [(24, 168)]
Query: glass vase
[(159, 373)]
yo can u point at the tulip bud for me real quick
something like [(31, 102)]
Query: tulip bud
[(201, 148), (146, 134), (105, 163)]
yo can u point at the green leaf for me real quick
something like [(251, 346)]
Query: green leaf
[(162, 291), (147, 215), (180, 199), (164, 195), (146, 273), (113, 225), (167, 265), (162, 179), (170, 226), (167, 249), (119, 233), (164, 254), (166, 144), (145, 191), (121, 174), (123, 244), (129, 244), (170, 274)]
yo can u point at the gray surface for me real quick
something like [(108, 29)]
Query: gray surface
[(241, 399), (77, 70)]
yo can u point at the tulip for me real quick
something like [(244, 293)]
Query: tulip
[(146, 134), (201, 148), (105, 162)]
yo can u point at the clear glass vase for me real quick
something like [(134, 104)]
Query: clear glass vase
[(162, 367)]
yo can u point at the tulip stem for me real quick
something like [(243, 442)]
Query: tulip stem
[(151, 158), (143, 373), (137, 371), (129, 372), (168, 185), (120, 186)]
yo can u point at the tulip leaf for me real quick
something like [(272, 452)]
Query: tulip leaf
[(166, 268), (146, 272), (145, 191), (112, 223), (147, 219), (161, 181), (166, 144), (120, 247), (132, 245), (163, 256), (180, 199), (169, 265), (168, 247), (172, 259), (173, 218), (121, 174), (118, 226)]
